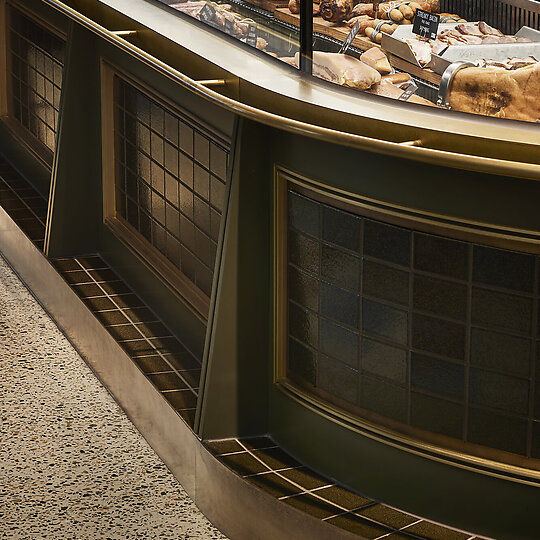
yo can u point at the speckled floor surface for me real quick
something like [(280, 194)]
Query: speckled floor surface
[(72, 466)]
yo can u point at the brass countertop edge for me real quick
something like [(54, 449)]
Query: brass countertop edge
[(417, 153), (392, 438)]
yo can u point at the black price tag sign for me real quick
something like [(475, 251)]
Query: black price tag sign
[(426, 24), (251, 37), (207, 13), (350, 37), (409, 91), (229, 26)]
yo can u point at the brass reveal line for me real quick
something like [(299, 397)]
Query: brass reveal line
[(124, 32), (213, 82)]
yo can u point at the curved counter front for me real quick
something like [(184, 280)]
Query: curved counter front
[(357, 279)]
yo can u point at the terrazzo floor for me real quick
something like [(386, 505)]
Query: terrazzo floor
[(72, 466)]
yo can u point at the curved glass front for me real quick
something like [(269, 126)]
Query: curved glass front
[(475, 56)]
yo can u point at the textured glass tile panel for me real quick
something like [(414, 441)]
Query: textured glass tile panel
[(304, 214), (499, 310), (387, 242), (37, 61), (303, 325), (437, 415), (304, 252), (337, 378), (507, 433), (499, 391), (440, 297), (536, 440), (503, 268), (384, 361), (339, 305), (383, 398), (438, 336), (384, 321), (385, 282), (537, 401), (342, 228), (500, 351), (441, 256), (437, 376), (340, 268), (339, 342), (302, 361), (172, 201), (303, 289)]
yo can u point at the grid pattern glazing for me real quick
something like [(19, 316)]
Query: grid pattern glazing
[(170, 181), (173, 370), (23, 203), (36, 62), (429, 332), (268, 467)]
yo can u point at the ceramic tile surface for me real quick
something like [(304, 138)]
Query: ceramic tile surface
[(71, 463)]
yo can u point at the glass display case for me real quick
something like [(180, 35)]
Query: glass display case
[(481, 57)]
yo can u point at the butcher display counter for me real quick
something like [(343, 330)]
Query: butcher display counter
[(478, 57), (351, 273)]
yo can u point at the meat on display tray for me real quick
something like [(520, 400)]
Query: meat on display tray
[(337, 31)]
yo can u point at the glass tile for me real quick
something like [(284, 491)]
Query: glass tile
[(312, 506), (273, 484), (438, 336), (202, 150), (186, 138), (186, 201), (387, 516), (343, 497), (304, 214), (535, 452), (338, 342), (342, 228), (383, 398), (501, 310), (437, 376), (217, 193), (441, 256), (384, 282), (186, 170), (387, 242), (172, 217), (158, 207), (339, 305), (302, 361), (171, 190), (359, 526), (171, 159), (201, 182), (437, 415), (303, 289), (340, 268), (384, 361), (503, 268), (507, 433), (218, 162), (432, 531), (171, 128), (303, 325), (337, 378), (440, 297), (158, 178), (202, 215), (384, 321), (499, 391), (500, 351), (304, 252)]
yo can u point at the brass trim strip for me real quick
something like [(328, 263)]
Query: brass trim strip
[(426, 155), (523, 240), (396, 440)]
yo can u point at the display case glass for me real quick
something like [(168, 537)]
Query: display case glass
[(480, 57)]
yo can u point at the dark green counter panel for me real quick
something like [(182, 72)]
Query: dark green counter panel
[(235, 389), (467, 500), (76, 193)]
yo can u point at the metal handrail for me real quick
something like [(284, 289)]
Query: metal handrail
[(417, 152)]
